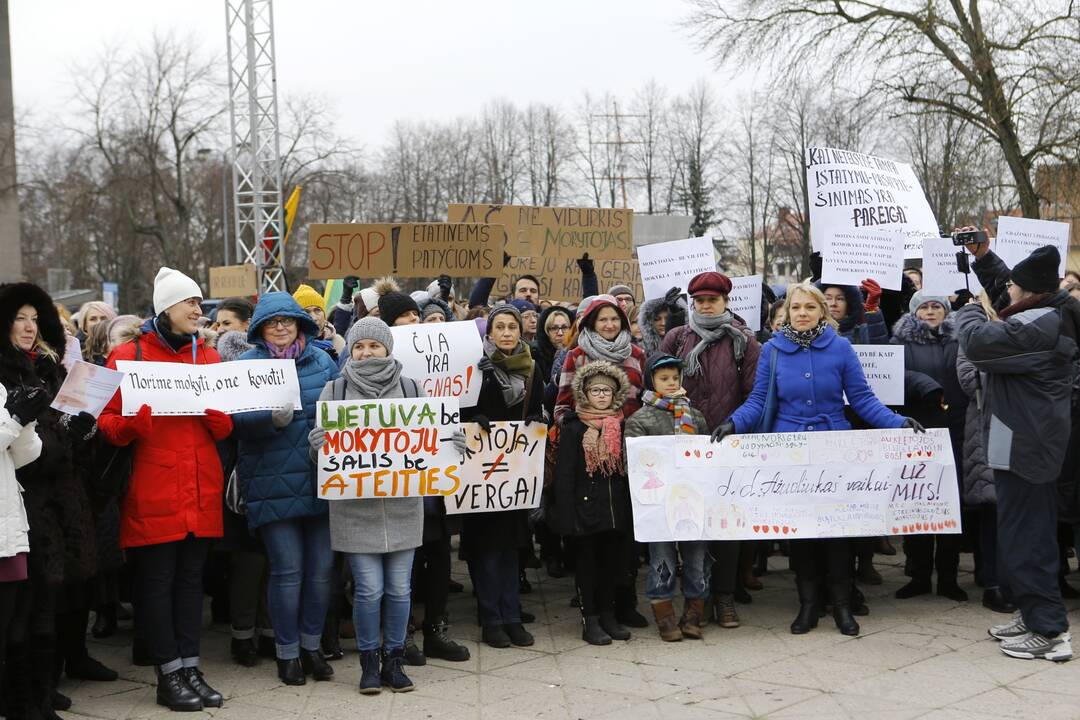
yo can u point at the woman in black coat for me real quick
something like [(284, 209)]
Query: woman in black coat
[(512, 389)]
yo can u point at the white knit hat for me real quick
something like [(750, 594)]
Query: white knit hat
[(370, 296), (172, 286)]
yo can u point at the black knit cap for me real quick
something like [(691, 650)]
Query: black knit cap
[(393, 305), (1038, 272)]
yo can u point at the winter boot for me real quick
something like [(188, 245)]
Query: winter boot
[(291, 672), (807, 619), (331, 638), (42, 658), (437, 644), (209, 696), (393, 672), (370, 679), (413, 655), (591, 632), (845, 621), (693, 612), (244, 652), (611, 626), (518, 635), (315, 665), (104, 621), (626, 608), (174, 693), (664, 613), (724, 610)]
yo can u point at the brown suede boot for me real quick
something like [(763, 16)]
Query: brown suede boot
[(664, 613), (693, 612)]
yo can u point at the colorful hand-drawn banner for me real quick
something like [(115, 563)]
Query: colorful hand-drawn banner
[(388, 448), (502, 470), (850, 483), (232, 387), (441, 357)]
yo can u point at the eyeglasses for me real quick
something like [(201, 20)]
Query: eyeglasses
[(601, 391), (1009, 284), (558, 329), (281, 322)]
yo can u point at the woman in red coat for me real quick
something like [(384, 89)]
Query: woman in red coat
[(174, 500)]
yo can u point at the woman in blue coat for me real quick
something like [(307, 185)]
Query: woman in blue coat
[(815, 367), (277, 481)]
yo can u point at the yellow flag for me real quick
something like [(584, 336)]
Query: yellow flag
[(290, 212)]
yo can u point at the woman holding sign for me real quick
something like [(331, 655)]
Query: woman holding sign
[(814, 369), (277, 481)]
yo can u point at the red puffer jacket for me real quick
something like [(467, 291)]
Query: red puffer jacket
[(176, 480)]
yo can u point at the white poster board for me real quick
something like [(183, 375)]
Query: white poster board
[(502, 470), (87, 388), (791, 486), (745, 300), (939, 273), (851, 256), (883, 366), (441, 357), (674, 264), (232, 387), (1018, 237)]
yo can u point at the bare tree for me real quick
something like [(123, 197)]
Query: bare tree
[(649, 111), (548, 147), (695, 135)]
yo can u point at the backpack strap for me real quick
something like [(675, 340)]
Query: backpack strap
[(138, 349), (339, 388)]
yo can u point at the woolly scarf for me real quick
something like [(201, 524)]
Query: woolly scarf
[(289, 352), (597, 348), (602, 441), (677, 406), (1027, 303), (375, 377), (803, 338), (711, 329), (511, 371)]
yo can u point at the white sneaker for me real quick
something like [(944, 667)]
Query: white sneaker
[(1011, 630), (1034, 646)]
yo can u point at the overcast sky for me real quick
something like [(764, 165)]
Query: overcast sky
[(378, 61)]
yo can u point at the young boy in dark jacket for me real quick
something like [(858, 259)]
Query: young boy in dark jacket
[(666, 411)]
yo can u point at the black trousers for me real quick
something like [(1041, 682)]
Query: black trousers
[(494, 573), (725, 567), (432, 562), (927, 552), (248, 577), (824, 562), (168, 597), (600, 560), (14, 614), (1028, 550)]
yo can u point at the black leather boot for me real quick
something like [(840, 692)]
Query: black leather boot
[(104, 622), (244, 652), (807, 619), (209, 696), (42, 658), (592, 633), (291, 672), (841, 601), (331, 639), (437, 644), (174, 693), (315, 664)]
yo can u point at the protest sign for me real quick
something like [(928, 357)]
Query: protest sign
[(674, 264), (398, 447), (852, 256), (560, 278), (883, 366), (502, 470), (232, 387), (441, 357), (854, 191), (1018, 237), (542, 232), (110, 294), (233, 280), (745, 300), (87, 388), (405, 249), (939, 273), (852, 483)]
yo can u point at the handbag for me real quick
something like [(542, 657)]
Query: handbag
[(772, 403)]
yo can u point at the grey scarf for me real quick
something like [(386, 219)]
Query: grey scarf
[(511, 384), (597, 348), (713, 328), (375, 377)]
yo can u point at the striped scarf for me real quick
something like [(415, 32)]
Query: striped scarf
[(678, 406)]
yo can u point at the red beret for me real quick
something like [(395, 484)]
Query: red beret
[(709, 283)]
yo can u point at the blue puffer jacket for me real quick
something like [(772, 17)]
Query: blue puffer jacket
[(810, 387), (277, 477)]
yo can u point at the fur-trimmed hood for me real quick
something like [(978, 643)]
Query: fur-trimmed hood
[(650, 339), (594, 369), (910, 329), (232, 345), (12, 297)]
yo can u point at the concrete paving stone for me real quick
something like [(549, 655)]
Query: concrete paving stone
[(818, 707), (1015, 703), (877, 707), (921, 689), (812, 672)]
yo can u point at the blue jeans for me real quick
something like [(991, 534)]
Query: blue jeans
[(696, 570), (381, 579), (298, 593)]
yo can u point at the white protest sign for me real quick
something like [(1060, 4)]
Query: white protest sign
[(232, 387), (1018, 237), (441, 357), (852, 256), (399, 447), (674, 264), (854, 191), (913, 247), (939, 273), (87, 388), (745, 300), (852, 483), (883, 366), (502, 470)]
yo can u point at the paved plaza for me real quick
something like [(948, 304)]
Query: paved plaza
[(923, 658)]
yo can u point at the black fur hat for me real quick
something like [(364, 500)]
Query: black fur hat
[(12, 297)]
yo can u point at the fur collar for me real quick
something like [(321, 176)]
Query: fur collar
[(600, 368), (910, 329)]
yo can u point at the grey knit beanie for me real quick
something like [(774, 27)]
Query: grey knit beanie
[(922, 297), (370, 328)]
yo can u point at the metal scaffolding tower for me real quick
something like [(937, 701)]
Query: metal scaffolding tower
[(253, 118)]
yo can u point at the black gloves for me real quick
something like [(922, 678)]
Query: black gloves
[(82, 426), (26, 403), (725, 429), (912, 424), (485, 365), (348, 287), (506, 258), (483, 422), (586, 265), (672, 296), (445, 283), (537, 418)]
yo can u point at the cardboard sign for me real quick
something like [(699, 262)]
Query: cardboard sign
[(398, 447), (1018, 237), (792, 486), (883, 366), (232, 387), (234, 280), (854, 191), (852, 256), (502, 470), (405, 249), (939, 273), (543, 232), (560, 278), (674, 264), (745, 300), (441, 357)]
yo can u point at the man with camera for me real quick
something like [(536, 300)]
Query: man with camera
[(1029, 358)]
